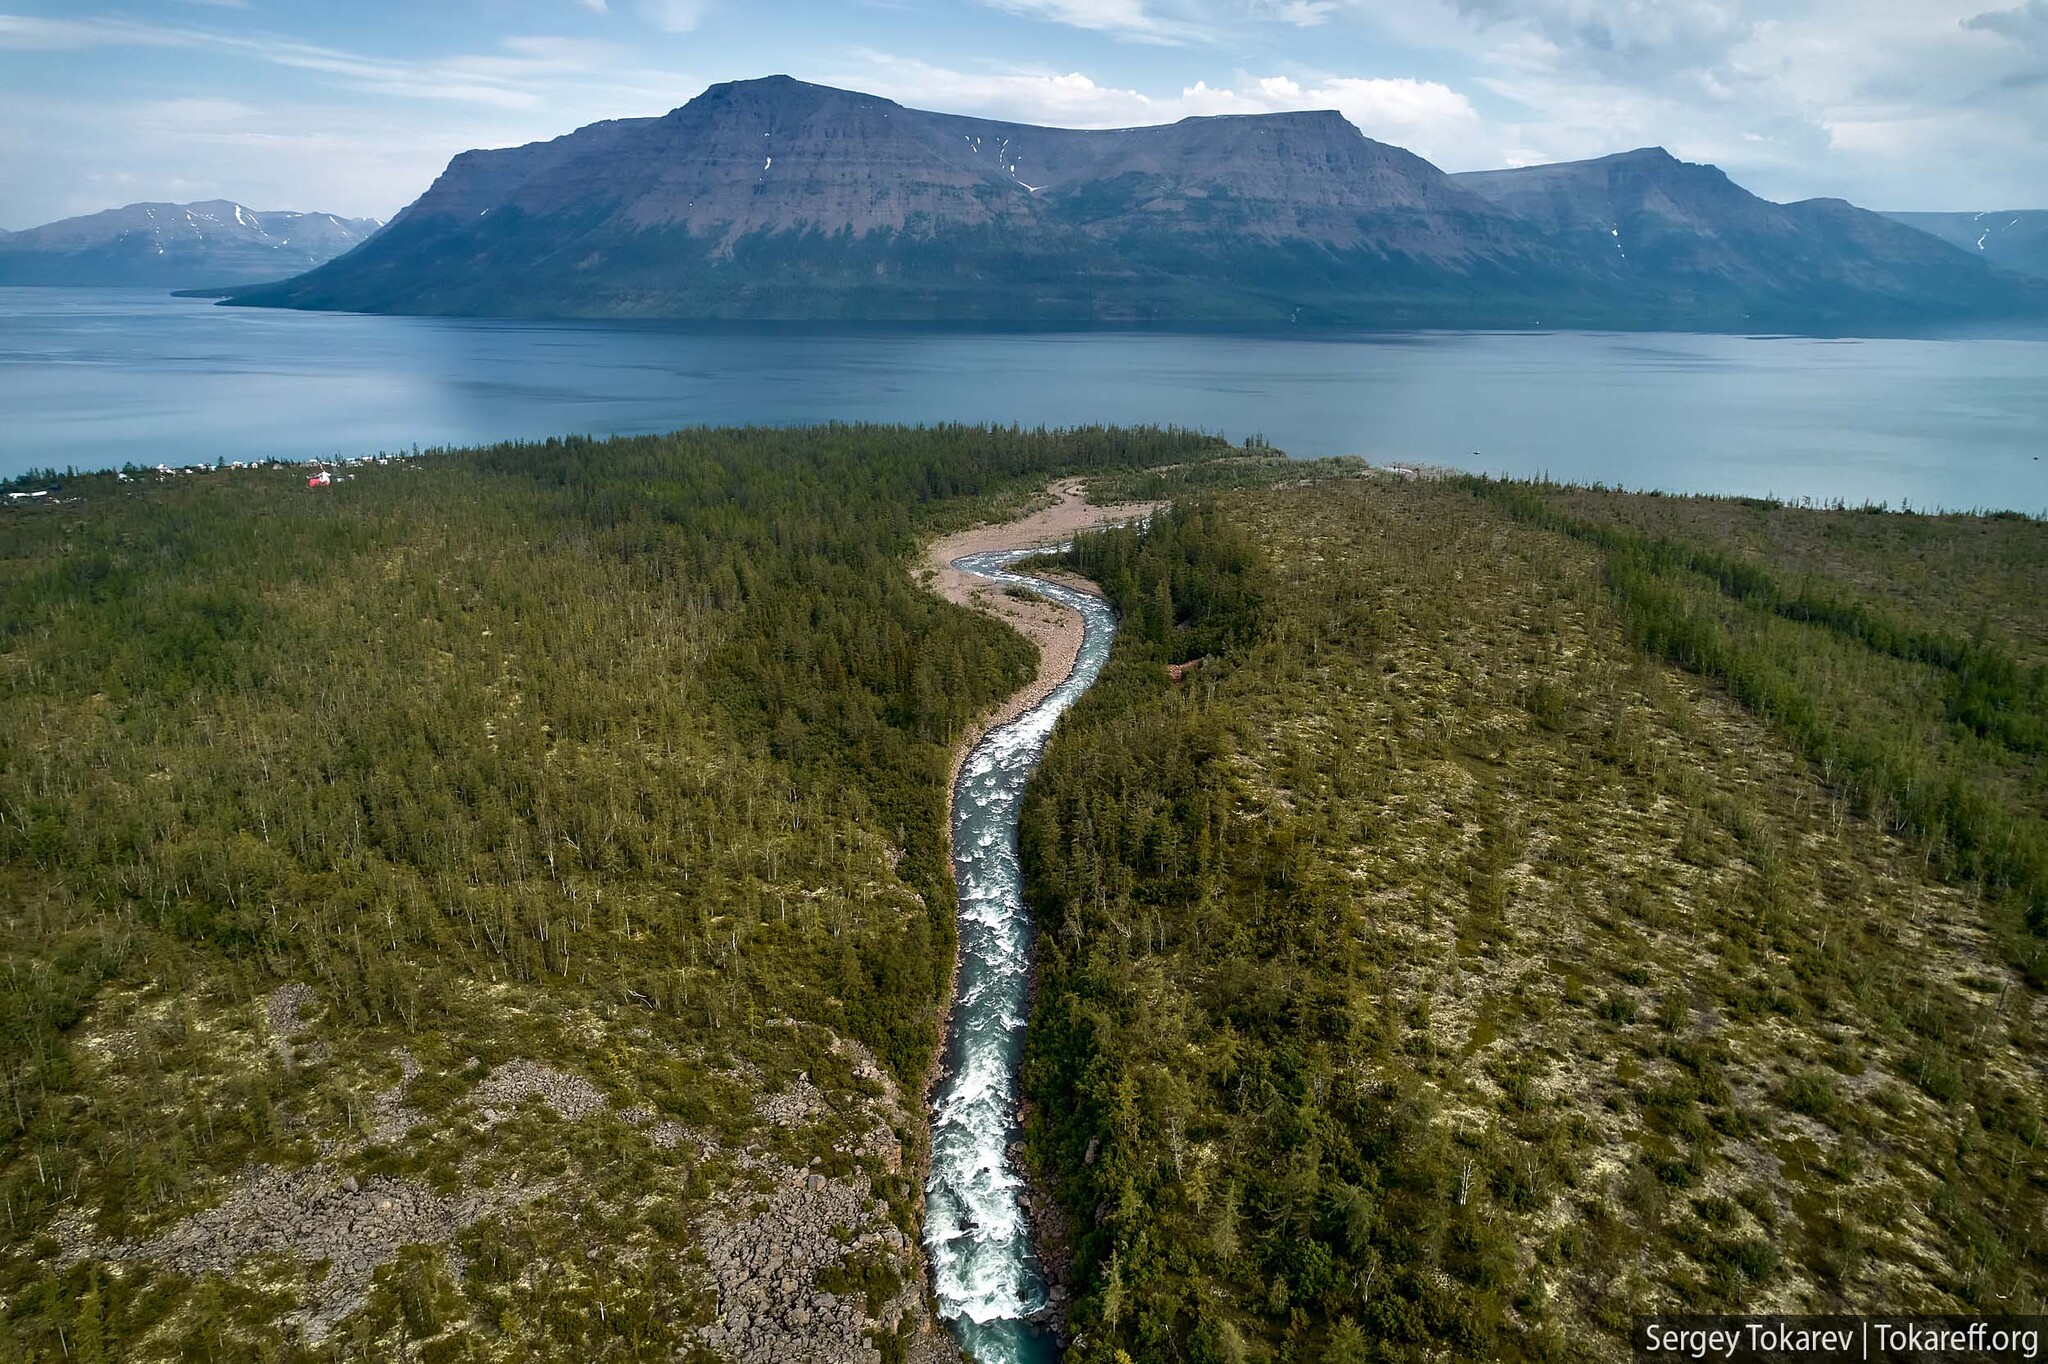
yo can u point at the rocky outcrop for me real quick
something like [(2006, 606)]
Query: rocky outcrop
[(769, 1257), (570, 1096), (809, 1266), (805, 1262), (281, 1015), (795, 1106), (311, 1215)]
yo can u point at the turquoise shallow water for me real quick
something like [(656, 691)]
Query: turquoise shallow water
[(983, 1271), (93, 378)]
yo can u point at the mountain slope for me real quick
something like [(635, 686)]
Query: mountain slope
[(775, 199), (176, 246), (2014, 240), (1692, 241)]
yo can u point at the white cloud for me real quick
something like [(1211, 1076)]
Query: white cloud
[(595, 6), (1426, 117), (1300, 13), (1216, 23), (1897, 103), (195, 111), (83, 156), (1135, 20), (1068, 99), (674, 16), (323, 146), (1642, 36), (2027, 24), (26, 33), (527, 73)]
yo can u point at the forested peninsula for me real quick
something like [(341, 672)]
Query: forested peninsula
[(492, 904), (495, 906)]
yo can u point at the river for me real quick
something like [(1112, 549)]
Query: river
[(976, 1237), (98, 377)]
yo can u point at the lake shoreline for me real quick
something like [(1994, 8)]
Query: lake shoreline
[(95, 378)]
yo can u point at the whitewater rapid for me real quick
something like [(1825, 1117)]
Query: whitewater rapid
[(984, 1272)]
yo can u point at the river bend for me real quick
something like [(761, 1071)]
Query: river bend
[(984, 1271)]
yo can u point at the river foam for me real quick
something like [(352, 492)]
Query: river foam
[(976, 1237)]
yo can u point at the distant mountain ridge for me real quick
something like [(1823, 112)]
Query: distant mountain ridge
[(2013, 240), (177, 246), (1696, 237), (776, 199)]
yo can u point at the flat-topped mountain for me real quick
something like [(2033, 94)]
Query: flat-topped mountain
[(177, 246), (776, 199), (2013, 240)]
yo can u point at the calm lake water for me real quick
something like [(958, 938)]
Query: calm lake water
[(94, 378)]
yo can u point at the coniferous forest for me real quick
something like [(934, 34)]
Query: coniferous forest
[(1475, 915), (470, 911), (328, 815)]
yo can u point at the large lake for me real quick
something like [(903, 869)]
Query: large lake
[(95, 378)]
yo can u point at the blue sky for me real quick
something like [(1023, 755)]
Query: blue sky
[(354, 107)]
